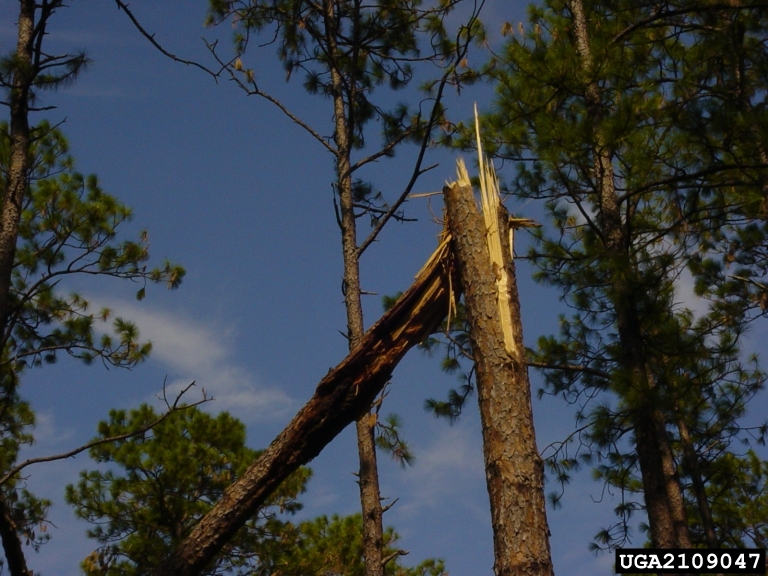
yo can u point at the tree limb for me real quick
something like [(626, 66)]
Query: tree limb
[(340, 398), (256, 91), (699, 8), (570, 368), (151, 37), (394, 555), (172, 408)]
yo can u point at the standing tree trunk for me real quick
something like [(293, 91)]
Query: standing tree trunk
[(20, 143), (10, 213), (661, 486), (513, 468), (368, 474), (12, 545), (691, 464)]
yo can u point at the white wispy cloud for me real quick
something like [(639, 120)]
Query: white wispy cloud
[(444, 470), (195, 351), (49, 435)]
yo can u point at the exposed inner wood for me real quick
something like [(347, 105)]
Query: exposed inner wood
[(513, 468)]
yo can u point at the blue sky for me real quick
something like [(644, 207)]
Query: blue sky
[(241, 197)]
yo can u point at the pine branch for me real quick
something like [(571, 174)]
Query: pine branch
[(417, 170), (760, 285), (172, 408), (697, 9), (686, 177), (570, 368)]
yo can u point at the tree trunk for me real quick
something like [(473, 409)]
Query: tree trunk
[(20, 143), (691, 466), (345, 394), (12, 545), (513, 468), (368, 474), (661, 487), (10, 213)]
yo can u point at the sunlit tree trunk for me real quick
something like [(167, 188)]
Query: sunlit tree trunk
[(513, 468)]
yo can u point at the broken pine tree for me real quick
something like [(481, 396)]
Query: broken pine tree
[(513, 468)]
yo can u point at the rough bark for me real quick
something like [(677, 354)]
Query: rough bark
[(368, 473), (345, 394), (10, 213), (661, 486), (20, 142), (514, 469)]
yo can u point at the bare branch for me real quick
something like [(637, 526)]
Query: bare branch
[(391, 212), (417, 170), (385, 151), (366, 208), (389, 506), (256, 91), (151, 37)]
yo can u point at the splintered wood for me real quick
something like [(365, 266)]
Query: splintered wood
[(491, 207), (513, 468), (348, 390)]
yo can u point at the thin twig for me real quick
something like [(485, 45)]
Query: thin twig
[(385, 151), (151, 37), (368, 208), (256, 91), (425, 194), (417, 171)]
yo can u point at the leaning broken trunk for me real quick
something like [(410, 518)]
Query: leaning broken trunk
[(513, 468), (342, 396)]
